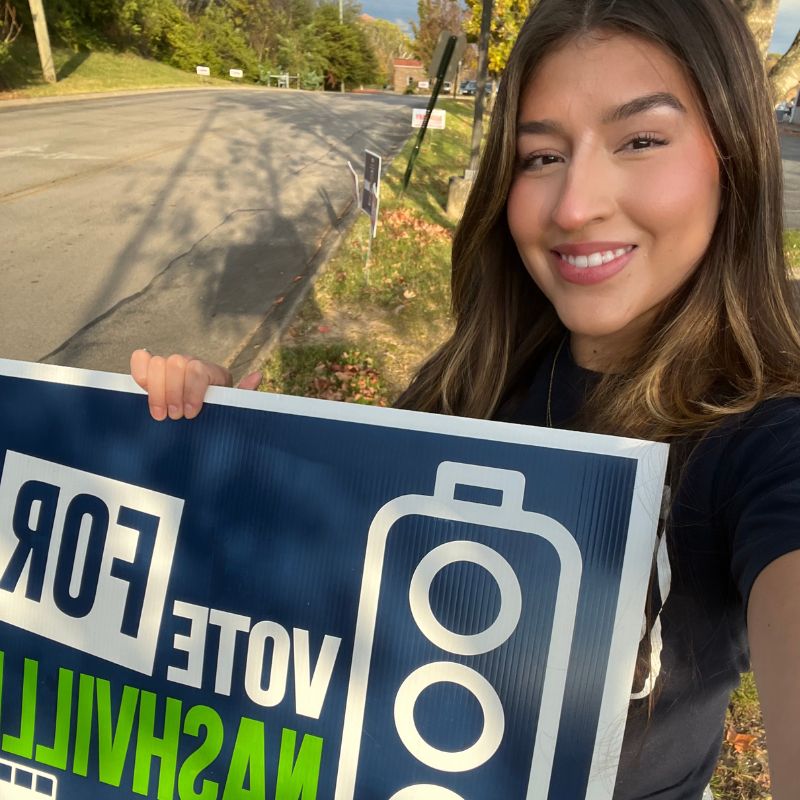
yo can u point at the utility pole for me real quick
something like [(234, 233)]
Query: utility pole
[(480, 90), (43, 40), (341, 22)]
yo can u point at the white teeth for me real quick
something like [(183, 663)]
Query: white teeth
[(596, 259)]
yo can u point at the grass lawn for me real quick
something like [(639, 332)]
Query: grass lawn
[(742, 772), (83, 71), (791, 246)]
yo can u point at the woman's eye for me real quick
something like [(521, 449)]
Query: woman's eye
[(538, 161), (644, 141)]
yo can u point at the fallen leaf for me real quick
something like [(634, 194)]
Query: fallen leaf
[(741, 742)]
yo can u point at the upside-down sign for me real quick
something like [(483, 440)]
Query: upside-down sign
[(291, 598)]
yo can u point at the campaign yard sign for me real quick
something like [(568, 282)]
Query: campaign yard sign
[(371, 193), (296, 599), (437, 121)]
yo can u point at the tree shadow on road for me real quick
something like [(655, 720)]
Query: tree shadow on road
[(257, 205)]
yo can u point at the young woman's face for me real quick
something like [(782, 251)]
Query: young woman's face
[(617, 190)]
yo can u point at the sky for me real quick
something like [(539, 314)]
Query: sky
[(786, 26), (401, 11)]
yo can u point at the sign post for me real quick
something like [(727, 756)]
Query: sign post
[(448, 45)]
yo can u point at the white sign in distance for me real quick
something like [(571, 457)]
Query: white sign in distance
[(236, 73), (203, 71), (424, 85), (437, 121)]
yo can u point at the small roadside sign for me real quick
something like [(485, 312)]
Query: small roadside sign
[(424, 85), (371, 191), (203, 71), (452, 63), (437, 121), (236, 73)]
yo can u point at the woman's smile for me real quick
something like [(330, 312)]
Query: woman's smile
[(592, 262)]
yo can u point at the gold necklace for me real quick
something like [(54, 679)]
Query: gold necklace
[(550, 384)]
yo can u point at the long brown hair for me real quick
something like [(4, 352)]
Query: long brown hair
[(727, 339)]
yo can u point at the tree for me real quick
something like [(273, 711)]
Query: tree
[(784, 73), (10, 28), (435, 16), (507, 20), (388, 42), (760, 16), (224, 45), (268, 23), (344, 47)]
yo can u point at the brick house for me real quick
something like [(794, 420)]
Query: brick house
[(407, 72)]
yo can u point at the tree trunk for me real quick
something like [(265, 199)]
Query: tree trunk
[(760, 16), (785, 74), (9, 27)]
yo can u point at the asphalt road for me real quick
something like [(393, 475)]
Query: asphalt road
[(172, 220)]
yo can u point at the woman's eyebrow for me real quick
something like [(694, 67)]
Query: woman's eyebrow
[(644, 103), (630, 108)]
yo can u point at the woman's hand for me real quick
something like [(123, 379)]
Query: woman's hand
[(176, 385)]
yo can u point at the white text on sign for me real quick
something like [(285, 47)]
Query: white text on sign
[(85, 560)]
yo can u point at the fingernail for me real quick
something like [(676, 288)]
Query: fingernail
[(174, 413), (158, 412), (188, 410)]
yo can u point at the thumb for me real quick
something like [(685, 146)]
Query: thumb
[(250, 381)]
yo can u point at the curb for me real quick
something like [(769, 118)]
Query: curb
[(251, 353)]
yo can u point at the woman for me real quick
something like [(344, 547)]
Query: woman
[(619, 269)]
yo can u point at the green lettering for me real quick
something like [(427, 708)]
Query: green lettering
[(56, 756), (201, 717), (247, 759), (113, 740), (298, 777), (22, 745), (83, 725), (150, 746)]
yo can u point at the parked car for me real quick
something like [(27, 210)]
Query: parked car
[(471, 87)]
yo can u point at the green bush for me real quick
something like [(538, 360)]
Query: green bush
[(224, 47), (311, 80)]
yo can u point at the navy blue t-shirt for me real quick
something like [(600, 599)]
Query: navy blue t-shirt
[(736, 510)]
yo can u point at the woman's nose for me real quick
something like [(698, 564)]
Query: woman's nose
[(587, 193)]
